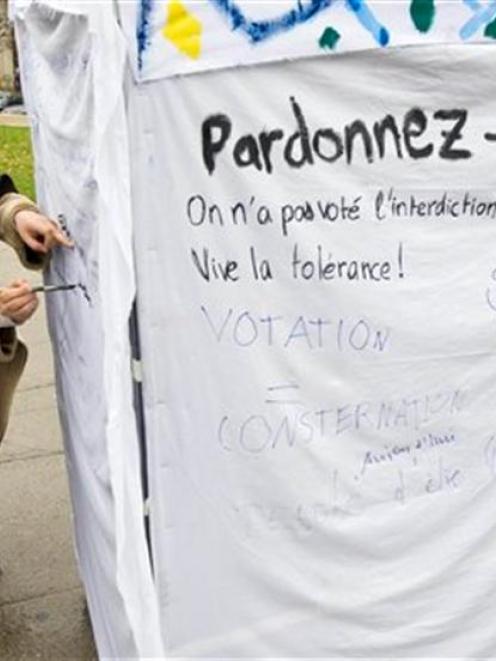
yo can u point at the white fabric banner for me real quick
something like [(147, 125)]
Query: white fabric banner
[(170, 37), (317, 297), (317, 288), (73, 64)]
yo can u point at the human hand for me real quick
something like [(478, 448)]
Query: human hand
[(17, 301), (39, 232)]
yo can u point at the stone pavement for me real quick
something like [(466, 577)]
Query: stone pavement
[(42, 606)]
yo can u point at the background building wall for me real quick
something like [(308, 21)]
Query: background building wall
[(7, 55)]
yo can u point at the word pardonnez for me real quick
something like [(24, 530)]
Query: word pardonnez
[(356, 140)]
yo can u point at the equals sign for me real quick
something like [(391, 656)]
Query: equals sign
[(285, 390)]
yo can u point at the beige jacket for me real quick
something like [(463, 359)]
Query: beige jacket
[(13, 353)]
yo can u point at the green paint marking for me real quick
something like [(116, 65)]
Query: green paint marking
[(490, 30), (329, 38), (422, 13)]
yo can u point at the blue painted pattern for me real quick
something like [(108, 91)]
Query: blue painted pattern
[(369, 22), (483, 14), (143, 28), (258, 31)]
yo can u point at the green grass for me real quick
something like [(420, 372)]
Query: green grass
[(16, 158)]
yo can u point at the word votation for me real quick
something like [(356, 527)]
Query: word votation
[(356, 141), (268, 431), (244, 328)]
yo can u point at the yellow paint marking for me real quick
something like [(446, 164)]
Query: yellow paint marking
[(183, 29)]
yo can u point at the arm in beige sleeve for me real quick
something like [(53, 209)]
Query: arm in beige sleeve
[(10, 205)]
